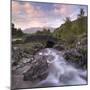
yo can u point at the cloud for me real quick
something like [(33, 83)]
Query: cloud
[(63, 10), (32, 11), (15, 7), (27, 14)]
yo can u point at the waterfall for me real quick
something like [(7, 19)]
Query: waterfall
[(61, 72)]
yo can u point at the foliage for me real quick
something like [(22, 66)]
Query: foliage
[(43, 32), (71, 30), (16, 32), (81, 13)]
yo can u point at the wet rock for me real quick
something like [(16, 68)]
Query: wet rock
[(20, 55), (77, 57), (59, 47), (38, 70)]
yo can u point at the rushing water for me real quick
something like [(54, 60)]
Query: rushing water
[(61, 72)]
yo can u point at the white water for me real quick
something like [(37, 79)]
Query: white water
[(60, 72)]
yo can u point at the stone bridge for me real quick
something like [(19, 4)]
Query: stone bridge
[(50, 41)]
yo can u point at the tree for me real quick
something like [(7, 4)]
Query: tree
[(19, 32), (81, 13), (67, 20), (68, 23), (81, 21), (44, 32), (16, 32), (12, 25)]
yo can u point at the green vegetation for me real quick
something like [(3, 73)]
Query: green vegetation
[(16, 32), (70, 31), (43, 32)]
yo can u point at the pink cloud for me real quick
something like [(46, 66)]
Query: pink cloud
[(33, 16), (15, 7), (36, 24), (32, 11), (63, 10), (33, 23), (27, 8)]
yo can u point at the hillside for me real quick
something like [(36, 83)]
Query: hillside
[(71, 31)]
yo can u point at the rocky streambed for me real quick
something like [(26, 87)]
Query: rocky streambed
[(29, 70)]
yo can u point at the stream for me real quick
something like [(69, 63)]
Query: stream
[(60, 72)]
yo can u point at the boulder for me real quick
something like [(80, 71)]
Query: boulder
[(59, 47), (19, 54), (77, 57), (38, 70)]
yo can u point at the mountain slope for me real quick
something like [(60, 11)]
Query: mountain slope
[(72, 29)]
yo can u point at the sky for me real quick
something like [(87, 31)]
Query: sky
[(27, 14)]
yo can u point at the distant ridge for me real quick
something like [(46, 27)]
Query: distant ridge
[(34, 29)]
